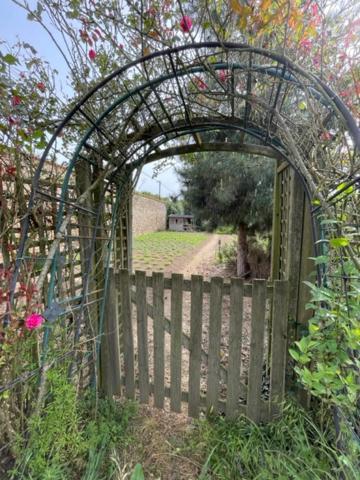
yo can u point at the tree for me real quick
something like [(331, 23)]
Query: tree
[(233, 190)]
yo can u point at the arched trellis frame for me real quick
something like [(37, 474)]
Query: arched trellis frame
[(159, 106)]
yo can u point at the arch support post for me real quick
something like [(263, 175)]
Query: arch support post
[(110, 370), (298, 265)]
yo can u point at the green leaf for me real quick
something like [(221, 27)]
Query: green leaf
[(41, 145), (302, 105), (303, 344), (138, 473), (347, 190), (313, 328), (321, 259), (10, 59), (339, 242), (303, 359), (38, 134), (315, 202), (295, 355)]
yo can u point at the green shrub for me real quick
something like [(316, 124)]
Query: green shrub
[(258, 255), (225, 229), (72, 437), (56, 440), (227, 254)]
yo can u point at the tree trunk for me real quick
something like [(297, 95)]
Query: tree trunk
[(241, 260)]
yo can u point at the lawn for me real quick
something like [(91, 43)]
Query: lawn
[(158, 250)]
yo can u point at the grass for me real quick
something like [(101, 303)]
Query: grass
[(104, 440), (156, 251), (292, 448)]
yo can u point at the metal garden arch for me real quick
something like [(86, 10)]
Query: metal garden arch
[(159, 106)]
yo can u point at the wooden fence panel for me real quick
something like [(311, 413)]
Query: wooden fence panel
[(195, 344), (142, 336), (279, 342), (159, 332), (176, 331), (128, 340), (256, 350), (214, 343), (235, 338)]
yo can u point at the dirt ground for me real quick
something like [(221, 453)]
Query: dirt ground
[(158, 440), (202, 260)]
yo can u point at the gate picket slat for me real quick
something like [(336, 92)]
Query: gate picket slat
[(256, 350), (142, 336), (176, 331), (279, 343), (159, 333), (214, 343), (195, 344), (128, 342), (235, 341)]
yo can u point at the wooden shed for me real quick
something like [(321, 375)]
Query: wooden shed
[(181, 223)]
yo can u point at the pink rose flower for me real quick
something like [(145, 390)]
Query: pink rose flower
[(223, 76), (186, 24), (200, 83), (33, 321)]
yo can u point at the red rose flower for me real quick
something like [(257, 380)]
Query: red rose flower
[(186, 24), (92, 54), (15, 100), (41, 86), (10, 170)]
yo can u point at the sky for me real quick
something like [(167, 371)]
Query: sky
[(14, 26)]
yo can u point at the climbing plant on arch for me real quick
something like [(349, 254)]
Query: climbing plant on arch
[(159, 106)]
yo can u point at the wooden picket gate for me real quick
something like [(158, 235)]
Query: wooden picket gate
[(191, 342)]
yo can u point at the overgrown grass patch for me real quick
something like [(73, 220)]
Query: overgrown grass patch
[(157, 250), (291, 448)]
